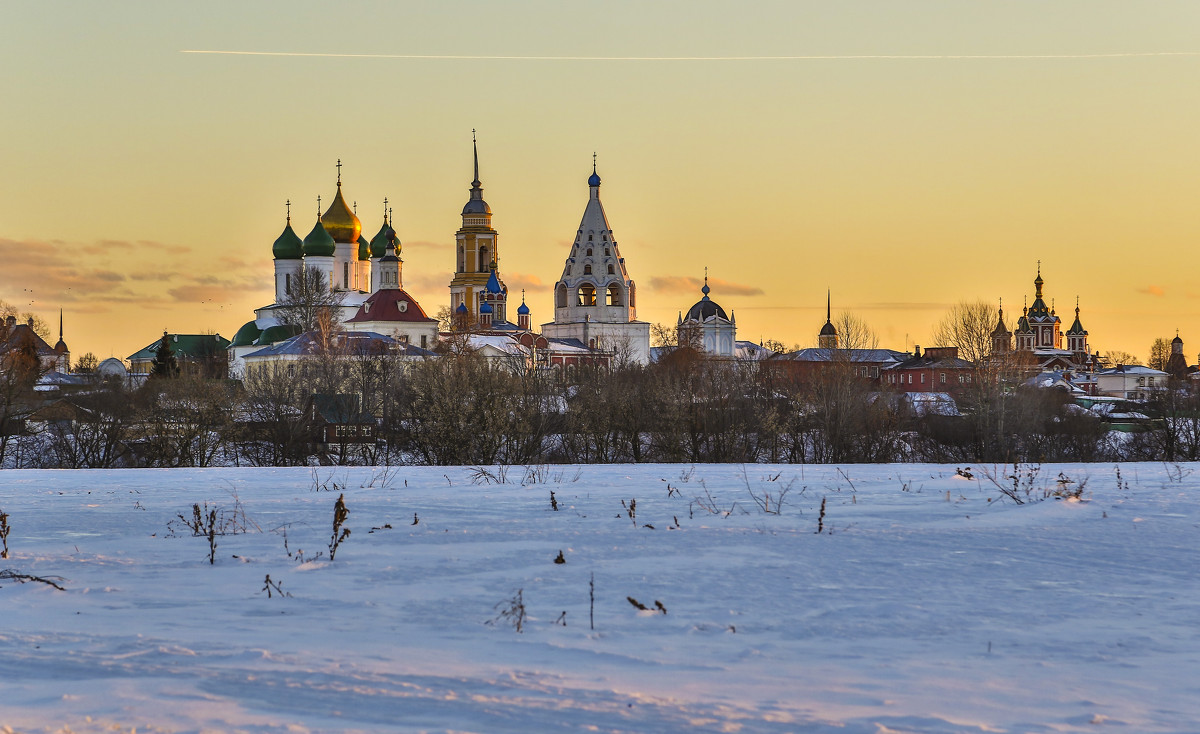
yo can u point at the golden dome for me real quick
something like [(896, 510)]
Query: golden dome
[(340, 221)]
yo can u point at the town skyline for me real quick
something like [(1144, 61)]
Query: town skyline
[(146, 184)]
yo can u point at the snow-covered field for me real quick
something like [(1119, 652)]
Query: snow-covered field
[(930, 603)]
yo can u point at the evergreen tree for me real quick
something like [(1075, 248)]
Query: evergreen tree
[(164, 362)]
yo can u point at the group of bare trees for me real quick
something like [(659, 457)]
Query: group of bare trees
[(462, 408)]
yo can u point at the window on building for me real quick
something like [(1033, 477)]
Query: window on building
[(423, 338), (922, 378), (291, 370), (611, 271), (587, 295), (587, 269), (345, 276), (614, 295), (943, 378), (287, 288), (589, 252), (560, 296)]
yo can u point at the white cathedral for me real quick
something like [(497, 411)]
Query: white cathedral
[(595, 300)]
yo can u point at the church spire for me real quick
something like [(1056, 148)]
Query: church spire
[(828, 338), (476, 206)]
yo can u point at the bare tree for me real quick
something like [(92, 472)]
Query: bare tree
[(969, 326), (1160, 353), (312, 303), (1115, 357)]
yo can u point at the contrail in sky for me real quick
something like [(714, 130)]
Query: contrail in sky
[(839, 57)]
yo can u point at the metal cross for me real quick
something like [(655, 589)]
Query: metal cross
[(339, 167), (289, 210), (318, 206)]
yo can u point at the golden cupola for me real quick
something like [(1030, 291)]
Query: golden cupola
[(339, 220)]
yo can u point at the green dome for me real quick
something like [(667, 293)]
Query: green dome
[(318, 241), (379, 242), (288, 246), (246, 335), (277, 333), (364, 248)]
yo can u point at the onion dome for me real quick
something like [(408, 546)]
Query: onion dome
[(828, 330), (493, 284), (364, 248), (706, 308), (379, 242), (1177, 340), (246, 335), (340, 221), (523, 310), (594, 179), (462, 308), (485, 308), (318, 242), (288, 245)]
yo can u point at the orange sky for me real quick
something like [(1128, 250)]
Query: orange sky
[(142, 187)]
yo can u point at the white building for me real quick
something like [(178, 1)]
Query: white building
[(595, 301), (1131, 382), (336, 247), (707, 328)]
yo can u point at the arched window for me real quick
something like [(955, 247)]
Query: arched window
[(589, 252), (606, 252), (614, 295), (589, 238), (287, 288), (587, 295), (587, 269), (611, 271), (462, 257), (483, 259), (560, 296)]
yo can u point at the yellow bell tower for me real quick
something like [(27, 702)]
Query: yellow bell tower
[(476, 249)]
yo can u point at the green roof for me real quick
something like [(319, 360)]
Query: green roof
[(364, 248), (246, 335), (319, 242), (379, 242), (288, 246), (194, 346), (277, 333)]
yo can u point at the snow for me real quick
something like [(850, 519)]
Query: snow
[(930, 603)]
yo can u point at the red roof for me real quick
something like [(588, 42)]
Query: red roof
[(392, 304)]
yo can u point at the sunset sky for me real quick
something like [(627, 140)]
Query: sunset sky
[(141, 186)]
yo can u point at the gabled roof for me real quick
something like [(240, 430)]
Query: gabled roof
[(352, 342), (194, 346), (390, 304), (20, 334), (820, 354)]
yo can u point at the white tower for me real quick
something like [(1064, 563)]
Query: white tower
[(595, 301)]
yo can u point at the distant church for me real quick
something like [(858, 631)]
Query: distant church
[(1039, 336), (595, 300)]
